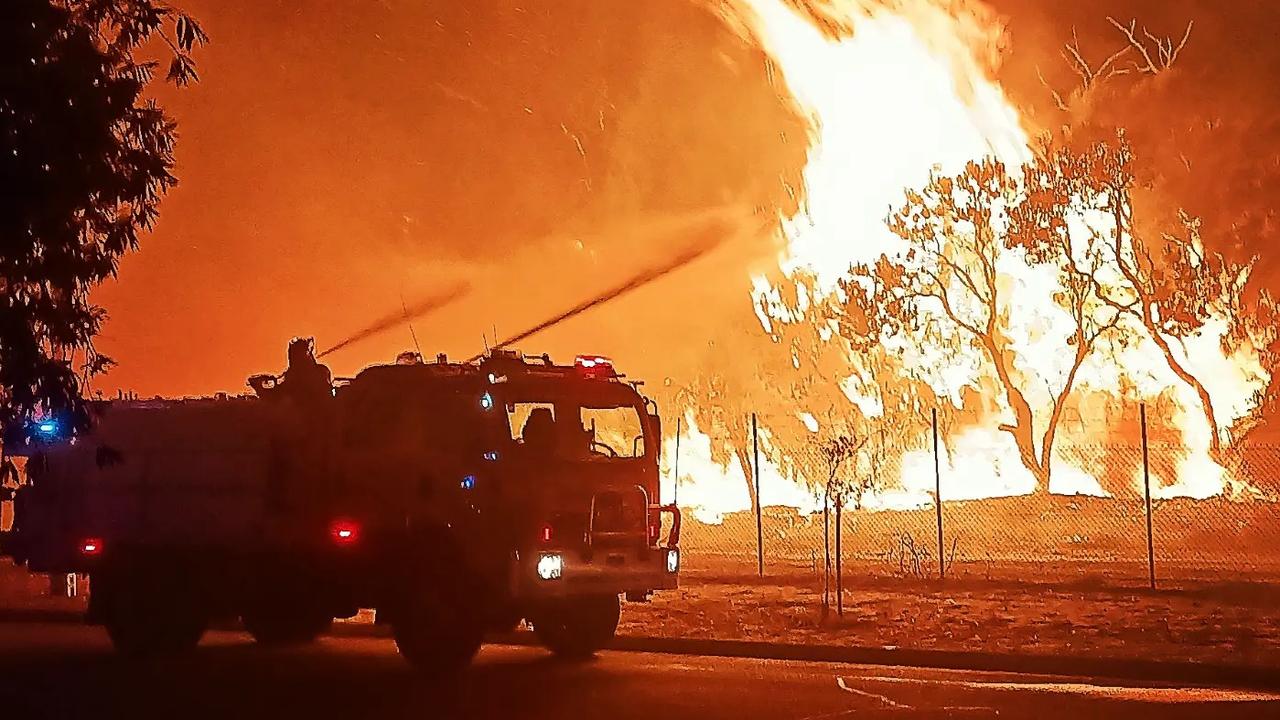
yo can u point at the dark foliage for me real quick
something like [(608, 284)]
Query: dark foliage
[(85, 158)]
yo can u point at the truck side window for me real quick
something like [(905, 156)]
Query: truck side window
[(518, 415)]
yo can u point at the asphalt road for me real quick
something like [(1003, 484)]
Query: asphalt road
[(68, 671)]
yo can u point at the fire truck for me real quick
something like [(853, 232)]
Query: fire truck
[(455, 499)]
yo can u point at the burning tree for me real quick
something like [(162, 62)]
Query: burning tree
[(798, 373), (837, 389), (721, 398), (1172, 285), (716, 404), (975, 244), (1168, 283)]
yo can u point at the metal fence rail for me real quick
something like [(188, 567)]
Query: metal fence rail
[(1135, 528)]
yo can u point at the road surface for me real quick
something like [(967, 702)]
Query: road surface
[(68, 671)]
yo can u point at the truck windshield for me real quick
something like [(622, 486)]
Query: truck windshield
[(577, 432)]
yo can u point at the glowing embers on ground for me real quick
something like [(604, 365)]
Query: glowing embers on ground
[(897, 93)]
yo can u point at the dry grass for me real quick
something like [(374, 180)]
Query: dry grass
[(1173, 625)]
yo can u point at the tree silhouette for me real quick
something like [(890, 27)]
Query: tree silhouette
[(829, 363), (85, 159), (952, 290), (838, 451), (800, 369), (1169, 283), (1216, 163), (721, 408)]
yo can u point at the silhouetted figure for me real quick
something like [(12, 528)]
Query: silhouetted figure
[(540, 431), (305, 379)]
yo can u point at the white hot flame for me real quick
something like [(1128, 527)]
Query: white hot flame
[(902, 92)]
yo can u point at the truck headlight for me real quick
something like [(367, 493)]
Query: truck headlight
[(550, 566), (673, 560)]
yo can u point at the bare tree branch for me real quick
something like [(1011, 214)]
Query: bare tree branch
[(1166, 52), (1057, 97)]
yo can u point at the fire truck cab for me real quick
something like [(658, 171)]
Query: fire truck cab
[(453, 498), (528, 487)]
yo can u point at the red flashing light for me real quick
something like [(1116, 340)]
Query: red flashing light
[(593, 366), (91, 546), (344, 532), (546, 533)]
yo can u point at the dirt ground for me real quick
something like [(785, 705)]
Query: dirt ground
[(1238, 625)]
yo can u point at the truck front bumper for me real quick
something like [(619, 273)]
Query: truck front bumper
[(557, 572)]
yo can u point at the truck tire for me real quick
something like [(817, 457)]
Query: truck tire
[(437, 630), (435, 644), (144, 621), (283, 627), (577, 627)]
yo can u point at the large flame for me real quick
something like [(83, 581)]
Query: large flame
[(893, 91)]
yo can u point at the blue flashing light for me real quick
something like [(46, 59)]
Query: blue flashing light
[(491, 455), (486, 401), (468, 482), (47, 428)]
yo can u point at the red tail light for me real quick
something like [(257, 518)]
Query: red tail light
[(655, 531), (344, 532), (91, 546), (546, 533)]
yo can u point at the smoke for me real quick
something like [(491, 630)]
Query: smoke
[(1207, 132), (335, 155), (677, 261)]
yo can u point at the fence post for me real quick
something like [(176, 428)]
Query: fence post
[(826, 551), (1146, 481), (839, 557), (675, 484), (755, 449), (937, 497)]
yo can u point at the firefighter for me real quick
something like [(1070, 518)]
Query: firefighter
[(305, 379), (539, 433)]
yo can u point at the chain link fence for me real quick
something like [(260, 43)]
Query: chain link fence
[(1146, 549), (1197, 529)]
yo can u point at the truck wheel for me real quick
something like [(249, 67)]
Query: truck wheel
[(430, 643), (155, 635), (578, 627), (437, 633), (143, 621), (283, 627)]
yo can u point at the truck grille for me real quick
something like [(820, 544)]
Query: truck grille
[(619, 514)]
